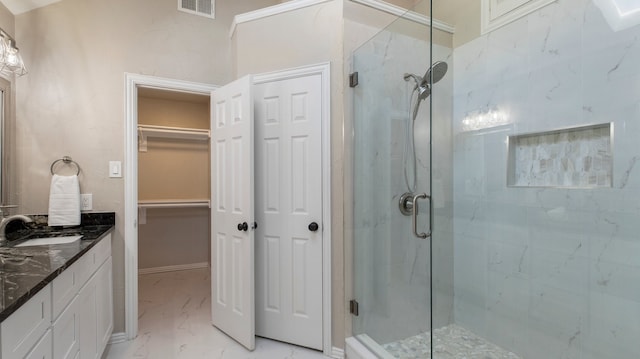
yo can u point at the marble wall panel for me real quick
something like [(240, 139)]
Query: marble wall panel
[(548, 272)]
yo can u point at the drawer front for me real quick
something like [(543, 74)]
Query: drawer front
[(42, 350), (102, 251), (83, 268), (91, 261), (63, 289), (66, 333), (24, 328)]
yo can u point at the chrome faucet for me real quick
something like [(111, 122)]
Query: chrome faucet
[(6, 220)]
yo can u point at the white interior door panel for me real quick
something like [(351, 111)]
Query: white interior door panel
[(232, 212), (288, 120)]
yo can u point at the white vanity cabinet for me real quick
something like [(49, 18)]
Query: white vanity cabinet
[(42, 350), (104, 304), (72, 317), (96, 312), (86, 305), (66, 332), (24, 328)]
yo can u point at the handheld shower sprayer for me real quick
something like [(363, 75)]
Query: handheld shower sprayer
[(422, 88)]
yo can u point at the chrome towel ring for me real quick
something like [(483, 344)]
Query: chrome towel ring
[(67, 160)]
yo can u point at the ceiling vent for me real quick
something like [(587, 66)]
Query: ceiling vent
[(198, 7)]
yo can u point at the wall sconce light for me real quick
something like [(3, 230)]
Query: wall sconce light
[(10, 59)]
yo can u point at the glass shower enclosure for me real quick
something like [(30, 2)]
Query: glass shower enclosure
[(402, 160), (533, 204)]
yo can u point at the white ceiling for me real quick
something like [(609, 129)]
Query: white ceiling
[(19, 6)]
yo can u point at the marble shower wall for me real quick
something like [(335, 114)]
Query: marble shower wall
[(546, 272), (391, 265)]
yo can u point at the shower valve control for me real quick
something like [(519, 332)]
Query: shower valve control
[(406, 204)]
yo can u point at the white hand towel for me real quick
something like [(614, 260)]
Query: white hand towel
[(64, 201)]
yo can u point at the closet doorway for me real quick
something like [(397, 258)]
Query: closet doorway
[(173, 181), (146, 209)]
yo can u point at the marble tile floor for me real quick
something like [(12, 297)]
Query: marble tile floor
[(451, 342), (175, 322)]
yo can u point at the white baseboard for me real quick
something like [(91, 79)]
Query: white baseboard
[(173, 268), (118, 338), (337, 353)]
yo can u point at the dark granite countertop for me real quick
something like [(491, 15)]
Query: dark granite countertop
[(26, 270)]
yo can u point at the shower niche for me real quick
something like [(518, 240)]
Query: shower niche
[(577, 157)]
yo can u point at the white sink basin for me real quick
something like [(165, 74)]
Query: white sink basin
[(48, 241)]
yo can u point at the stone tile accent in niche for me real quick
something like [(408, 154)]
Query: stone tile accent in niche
[(578, 157)]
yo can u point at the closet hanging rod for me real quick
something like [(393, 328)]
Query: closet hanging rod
[(178, 203), (182, 133), (174, 132)]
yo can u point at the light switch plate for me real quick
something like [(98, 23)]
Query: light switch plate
[(86, 202), (115, 169)]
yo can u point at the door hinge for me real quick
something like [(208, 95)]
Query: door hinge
[(353, 79), (353, 307)]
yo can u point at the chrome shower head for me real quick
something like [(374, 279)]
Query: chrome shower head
[(434, 74)]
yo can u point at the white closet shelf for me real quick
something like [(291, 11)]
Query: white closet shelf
[(174, 132), (177, 203), (182, 133)]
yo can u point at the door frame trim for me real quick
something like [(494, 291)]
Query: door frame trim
[(132, 82), (324, 70)]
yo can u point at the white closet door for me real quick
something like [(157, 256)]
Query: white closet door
[(288, 200), (232, 216)]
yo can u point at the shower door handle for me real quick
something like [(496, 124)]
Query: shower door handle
[(414, 218)]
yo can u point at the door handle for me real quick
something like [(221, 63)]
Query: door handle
[(414, 217), (243, 226), (313, 226)]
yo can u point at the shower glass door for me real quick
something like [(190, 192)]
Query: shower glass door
[(392, 109)]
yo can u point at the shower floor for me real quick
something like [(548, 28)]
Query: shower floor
[(451, 342)]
